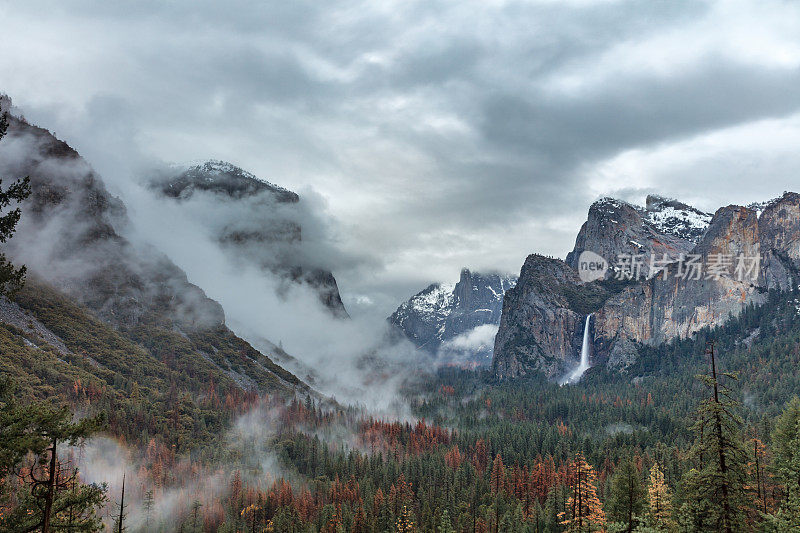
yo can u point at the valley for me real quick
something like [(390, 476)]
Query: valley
[(504, 388)]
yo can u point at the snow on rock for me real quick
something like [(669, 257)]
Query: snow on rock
[(675, 218), (443, 312), (220, 177)]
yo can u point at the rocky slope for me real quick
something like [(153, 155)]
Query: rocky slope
[(70, 240), (259, 222), (455, 322), (535, 332)]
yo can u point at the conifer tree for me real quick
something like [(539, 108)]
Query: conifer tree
[(360, 521), (659, 498), (717, 486), (11, 277), (584, 510), (786, 451), (757, 474), (148, 504), (52, 498), (498, 475), (405, 523), (498, 481), (626, 499), (445, 525)]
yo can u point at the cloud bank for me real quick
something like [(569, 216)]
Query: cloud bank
[(439, 134)]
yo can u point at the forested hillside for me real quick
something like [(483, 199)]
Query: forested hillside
[(477, 455)]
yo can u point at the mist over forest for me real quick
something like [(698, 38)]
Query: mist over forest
[(348, 267)]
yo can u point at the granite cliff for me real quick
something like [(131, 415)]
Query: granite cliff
[(540, 331)]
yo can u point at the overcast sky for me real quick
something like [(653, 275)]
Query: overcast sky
[(439, 134)]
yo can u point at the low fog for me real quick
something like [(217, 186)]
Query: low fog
[(462, 349), (263, 308), (353, 360), (246, 444)]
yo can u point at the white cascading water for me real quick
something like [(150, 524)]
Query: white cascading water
[(583, 366)]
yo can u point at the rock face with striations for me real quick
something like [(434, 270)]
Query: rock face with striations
[(658, 308), (259, 222), (538, 330), (456, 322), (669, 306), (70, 225), (779, 238)]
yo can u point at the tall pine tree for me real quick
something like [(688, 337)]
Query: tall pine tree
[(11, 277), (716, 493), (626, 498), (51, 498), (659, 499), (584, 511)]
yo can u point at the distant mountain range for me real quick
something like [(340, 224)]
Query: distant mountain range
[(456, 322), (71, 239), (535, 323)]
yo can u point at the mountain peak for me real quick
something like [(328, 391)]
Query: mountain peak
[(672, 217), (443, 316), (220, 177), (615, 227)]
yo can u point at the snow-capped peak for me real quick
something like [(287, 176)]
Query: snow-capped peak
[(216, 167), (676, 218), (437, 299), (443, 311)]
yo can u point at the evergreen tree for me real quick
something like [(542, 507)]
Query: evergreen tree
[(11, 277), (360, 521), (659, 499), (445, 525), (51, 497), (147, 504), (716, 488), (405, 522), (16, 438), (498, 480), (786, 451), (584, 510), (626, 499)]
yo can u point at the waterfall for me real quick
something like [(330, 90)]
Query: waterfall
[(583, 366)]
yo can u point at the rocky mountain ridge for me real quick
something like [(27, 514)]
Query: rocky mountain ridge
[(617, 228), (440, 318), (69, 237), (539, 332), (257, 221)]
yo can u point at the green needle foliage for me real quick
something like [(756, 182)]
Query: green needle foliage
[(11, 278), (48, 494), (626, 501), (717, 497)]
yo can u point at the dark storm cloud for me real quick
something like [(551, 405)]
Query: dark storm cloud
[(442, 134), (641, 111)]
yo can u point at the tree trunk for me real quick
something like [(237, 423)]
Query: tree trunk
[(122, 505), (726, 506), (630, 506), (51, 490)]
